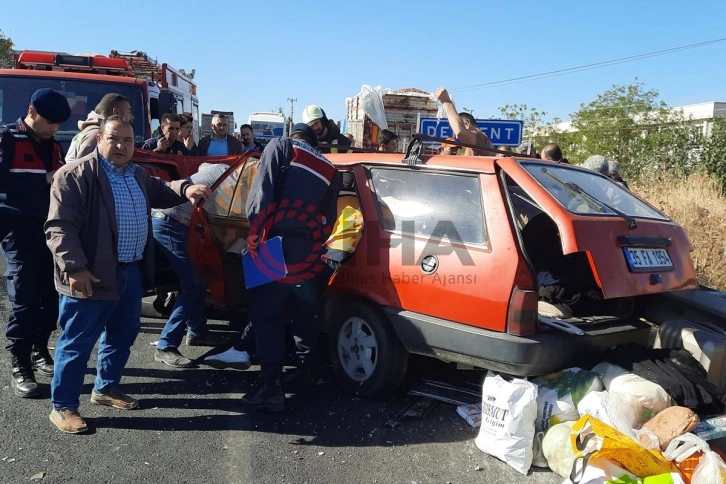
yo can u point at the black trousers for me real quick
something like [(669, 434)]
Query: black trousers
[(33, 314)]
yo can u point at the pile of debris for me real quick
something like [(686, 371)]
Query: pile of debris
[(642, 415)]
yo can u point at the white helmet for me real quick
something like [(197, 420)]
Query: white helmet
[(311, 113)]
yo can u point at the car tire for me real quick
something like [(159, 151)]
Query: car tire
[(365, 354)]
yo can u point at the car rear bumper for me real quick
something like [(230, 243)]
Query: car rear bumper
[(538, 354)]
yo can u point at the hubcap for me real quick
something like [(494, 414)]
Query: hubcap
[(357, 349)]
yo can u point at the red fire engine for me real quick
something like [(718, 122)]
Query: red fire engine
[(152, 88)]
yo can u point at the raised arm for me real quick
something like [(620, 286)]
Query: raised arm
[(457, 125)]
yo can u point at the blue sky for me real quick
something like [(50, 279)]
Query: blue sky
[(253, 56)]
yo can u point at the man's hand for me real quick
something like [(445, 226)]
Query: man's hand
[(442, 95), (253, 243), (49, 176), (195, 192), (162, 145), (82, 282)]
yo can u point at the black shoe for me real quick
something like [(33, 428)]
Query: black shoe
[(23, 381), (42, 361), (267, 398), (209, 339), (173, 358), (303, 380)]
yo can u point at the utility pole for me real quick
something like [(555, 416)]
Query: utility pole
[(292, 100), (470, 111)]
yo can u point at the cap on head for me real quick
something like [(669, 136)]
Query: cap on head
[(311, 113), (51, 104), (306, 131), (597, 163), (526, 149)]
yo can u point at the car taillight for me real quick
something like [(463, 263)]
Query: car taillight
[(522, 313)]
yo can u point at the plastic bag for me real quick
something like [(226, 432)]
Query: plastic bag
[(684, 446), (615, 409), (601, 471), (652, 397), (557, 449), (372, 102), (595, 439), (559, 393), (508, 411), (711, 469), (686, 451), (670, 478)]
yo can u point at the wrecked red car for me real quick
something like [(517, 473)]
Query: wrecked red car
[(512, 264)]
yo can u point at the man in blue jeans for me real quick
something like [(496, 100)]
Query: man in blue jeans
[(99, 233), (171, 229)]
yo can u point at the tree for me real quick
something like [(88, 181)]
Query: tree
[(713, 156), (531, 117), (6, 51), (629, 124)]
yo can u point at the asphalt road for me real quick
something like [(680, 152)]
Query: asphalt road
[(190, 429)]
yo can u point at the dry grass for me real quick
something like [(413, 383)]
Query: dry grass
[(699, 206)]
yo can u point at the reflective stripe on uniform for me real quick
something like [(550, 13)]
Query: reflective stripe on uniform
[(312, 162)]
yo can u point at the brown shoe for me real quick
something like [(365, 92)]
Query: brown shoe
[(114, 398), (68, 421)]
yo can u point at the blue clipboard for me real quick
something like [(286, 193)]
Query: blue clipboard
[(268, 266)]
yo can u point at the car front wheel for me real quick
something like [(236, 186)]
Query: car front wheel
[(366, 355)]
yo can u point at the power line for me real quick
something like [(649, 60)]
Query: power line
[(584, 67)]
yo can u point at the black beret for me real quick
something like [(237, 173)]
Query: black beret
[(51, 104), (307, 131)]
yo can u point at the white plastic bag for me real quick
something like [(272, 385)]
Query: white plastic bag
[(507, 425), (615, 409), (557, 448), (711, 469), (559, 393), (684, 446), (372, 102), (652, 397)]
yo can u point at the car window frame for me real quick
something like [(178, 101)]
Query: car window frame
[(378, 200)]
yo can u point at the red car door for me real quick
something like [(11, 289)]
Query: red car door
[(217, 229)]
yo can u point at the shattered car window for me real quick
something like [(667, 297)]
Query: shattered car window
[(229, 199), (586, 192)]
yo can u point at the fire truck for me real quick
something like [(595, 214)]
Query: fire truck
[(152, 88)]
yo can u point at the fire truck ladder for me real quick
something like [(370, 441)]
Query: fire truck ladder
[(141, 64)]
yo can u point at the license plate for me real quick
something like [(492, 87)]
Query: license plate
[(644, 259)]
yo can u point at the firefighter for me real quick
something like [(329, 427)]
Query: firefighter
[(29, 156)]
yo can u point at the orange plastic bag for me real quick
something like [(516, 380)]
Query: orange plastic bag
[(592, 437)]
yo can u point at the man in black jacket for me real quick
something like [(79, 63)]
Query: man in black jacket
[(168, 141), (220, 143)]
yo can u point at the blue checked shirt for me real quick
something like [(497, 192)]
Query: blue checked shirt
[(132, 215)]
